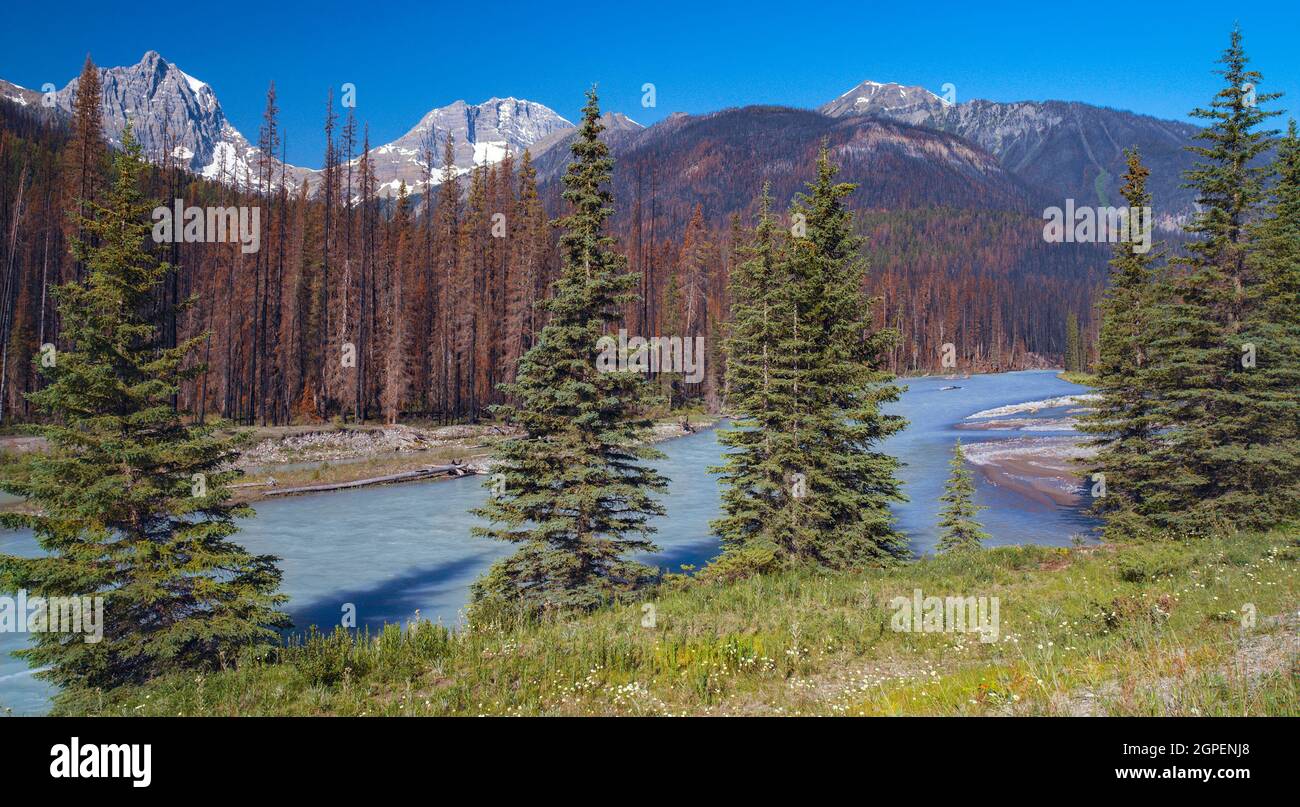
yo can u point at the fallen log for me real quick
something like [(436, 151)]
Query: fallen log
[(455, 469), (268, 483)]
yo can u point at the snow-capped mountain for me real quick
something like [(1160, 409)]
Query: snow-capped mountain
[(915, 105), (174, 115), (177, 115), (1068, 149), (482, 134), (19, 95)]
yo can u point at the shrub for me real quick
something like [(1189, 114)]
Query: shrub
[(1141, 564), (323, 659), (742, 563)]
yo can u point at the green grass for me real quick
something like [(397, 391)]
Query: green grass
[(1151, 629), (1099, 185), (1077, 377)]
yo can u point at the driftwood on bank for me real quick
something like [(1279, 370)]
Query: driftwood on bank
[(268, 483), (455, 469)]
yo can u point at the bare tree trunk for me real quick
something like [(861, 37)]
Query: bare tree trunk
[(8, 295)]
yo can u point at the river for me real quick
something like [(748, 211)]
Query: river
[(389, 551)]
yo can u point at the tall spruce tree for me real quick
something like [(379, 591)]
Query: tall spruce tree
[(754, 482), (575, 493), (1072, 342), (131, 502), (811, 389), (1124, 419), (843, 520), (1221, 461), (959, 530), (85, 160), (1272, 324)]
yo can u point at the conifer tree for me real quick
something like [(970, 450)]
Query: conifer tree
[(671, 323), (534, 245), (960, 531), (1272, 324), (131, 502), (85, 158), (1072, 342), (1221, 461), (843, 518), (528, 246), (693, 269), (471, 273), (810, 479), (396, 367), (754, 484), (446, 239), (1124, 418), (574, 493)]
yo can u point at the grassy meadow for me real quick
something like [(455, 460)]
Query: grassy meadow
[(1155, 629)]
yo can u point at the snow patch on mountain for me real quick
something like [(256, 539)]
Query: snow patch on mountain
[(194, 83), (490, 152), (481, 134)]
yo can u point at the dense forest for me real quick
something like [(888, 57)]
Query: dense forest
[(361, 306), (953, 242)]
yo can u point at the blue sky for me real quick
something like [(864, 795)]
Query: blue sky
[(406, 58)]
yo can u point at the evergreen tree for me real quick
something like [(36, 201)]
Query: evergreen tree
[(1124, 419), (471, 275), (810, 480), (85, 159), (754, 484), (1272, 325), (528, 244), (672, 322), (1221, 461), (1081, 351), (1072, 343), (446, 239), (960, 530), (692, 266), (843, 520), (130, 501), (574, 491), (396, 367)]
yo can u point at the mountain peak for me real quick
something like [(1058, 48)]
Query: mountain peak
[(617, 121), (1069, 149), (175, 116), (482, 133), (882, 98)]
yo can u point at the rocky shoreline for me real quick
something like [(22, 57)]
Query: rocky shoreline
[(1044, 469), (320, 461)]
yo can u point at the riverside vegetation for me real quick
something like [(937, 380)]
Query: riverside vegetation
[(1190, 609), (1131, 630)]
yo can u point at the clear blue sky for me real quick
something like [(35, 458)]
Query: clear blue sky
[(406, 58)]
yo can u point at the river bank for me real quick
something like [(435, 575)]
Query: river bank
[(350, 458), (318, 459), (385, 552), (1097, 630), (1045, 469)]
